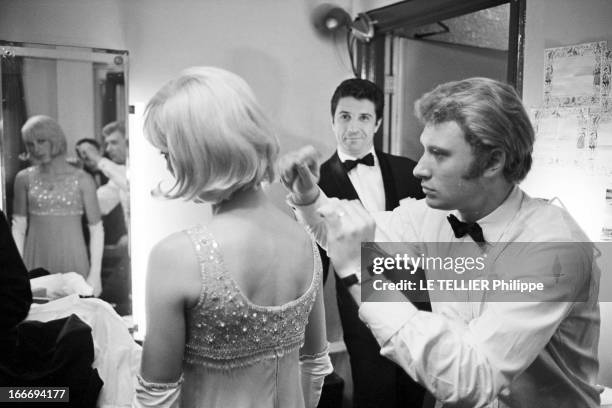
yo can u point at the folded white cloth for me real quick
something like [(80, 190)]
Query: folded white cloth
[(116, 355), (58, 285)]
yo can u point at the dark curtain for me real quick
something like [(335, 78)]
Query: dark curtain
[(109, 96), (116, 276), (14, 116)]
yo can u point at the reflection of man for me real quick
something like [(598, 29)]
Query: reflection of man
[(108, 193), (117, 285), (478, 142), (116, 146), (89, 165), (379, 180)]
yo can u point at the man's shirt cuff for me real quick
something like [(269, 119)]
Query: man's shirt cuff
[(384, 319)]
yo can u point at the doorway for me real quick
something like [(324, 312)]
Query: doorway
[(422, 43)]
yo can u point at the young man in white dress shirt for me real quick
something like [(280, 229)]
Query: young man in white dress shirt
[(117, 188), (521, 352)]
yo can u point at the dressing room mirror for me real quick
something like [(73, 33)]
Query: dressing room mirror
[(83, 90)]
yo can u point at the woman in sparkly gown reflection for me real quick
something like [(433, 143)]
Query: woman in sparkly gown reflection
[(234, 307), (50, 198)]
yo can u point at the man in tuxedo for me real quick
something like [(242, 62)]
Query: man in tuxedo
[(113, 192), (379, 180)]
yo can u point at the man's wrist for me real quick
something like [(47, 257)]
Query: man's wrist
[(307, 198)]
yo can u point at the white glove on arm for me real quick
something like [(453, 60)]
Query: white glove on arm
[(159, 395), (19, 228), (96, 248), (314, 368)]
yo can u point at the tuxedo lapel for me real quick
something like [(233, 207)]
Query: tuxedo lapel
[(391, 200), (342, 184)]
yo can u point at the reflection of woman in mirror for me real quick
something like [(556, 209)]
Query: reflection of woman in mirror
[(50, 198), (234, 308)]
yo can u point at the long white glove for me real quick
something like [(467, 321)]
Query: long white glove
[(314, 369), (159, 395), (96, 248), (19, 228)]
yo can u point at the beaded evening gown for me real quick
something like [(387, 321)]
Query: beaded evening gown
[(55, 238), (239, 354)]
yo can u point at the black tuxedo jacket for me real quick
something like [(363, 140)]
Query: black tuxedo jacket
[(377, 381), (15, 291)]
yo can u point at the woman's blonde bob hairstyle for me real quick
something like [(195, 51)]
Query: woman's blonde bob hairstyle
[(44, 127), (214, 134)]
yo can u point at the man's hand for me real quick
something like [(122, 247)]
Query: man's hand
[(299, 172), (348, 225), (89, 153)]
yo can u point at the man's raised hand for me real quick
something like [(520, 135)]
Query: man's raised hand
[(299, 172), (348, 225)]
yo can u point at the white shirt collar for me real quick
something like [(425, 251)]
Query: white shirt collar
[(495, 224), (344, 157)]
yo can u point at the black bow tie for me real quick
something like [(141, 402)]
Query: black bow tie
[(461, 228), (368, 160)]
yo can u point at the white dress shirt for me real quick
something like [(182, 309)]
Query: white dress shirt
[(367, 181), (494, 354), (116, 190), (108, 196)]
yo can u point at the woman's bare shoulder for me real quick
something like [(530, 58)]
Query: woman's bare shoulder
[(83, 176), (176, 248), (173, 264), (24, 174)]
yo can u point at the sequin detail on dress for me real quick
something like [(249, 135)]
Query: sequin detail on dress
[(60, 196), (225, 330)]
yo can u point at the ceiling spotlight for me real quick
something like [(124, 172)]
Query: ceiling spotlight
[(329, 18)]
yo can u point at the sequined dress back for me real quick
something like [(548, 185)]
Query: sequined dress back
[(239, 354), (55, 238)]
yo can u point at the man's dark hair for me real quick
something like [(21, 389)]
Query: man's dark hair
[(88, 140), (359, 89)]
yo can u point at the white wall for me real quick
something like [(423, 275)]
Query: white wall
[(555, 23), (90, 23)]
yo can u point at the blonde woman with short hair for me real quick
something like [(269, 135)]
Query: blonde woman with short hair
[(50, 198), (234, 308)]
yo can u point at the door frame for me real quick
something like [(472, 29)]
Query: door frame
[(375, 59)]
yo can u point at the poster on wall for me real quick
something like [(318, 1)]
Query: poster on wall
[(574, 132), (579, 137), (574, 126), (577, 75)]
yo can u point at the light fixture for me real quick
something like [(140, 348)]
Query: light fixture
[(329, 18), (363, 27)]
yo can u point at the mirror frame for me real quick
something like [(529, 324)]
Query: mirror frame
[(58, 52)]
